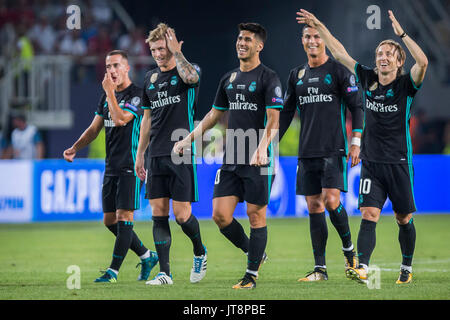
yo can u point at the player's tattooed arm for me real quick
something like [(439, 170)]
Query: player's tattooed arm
[(186, 70)]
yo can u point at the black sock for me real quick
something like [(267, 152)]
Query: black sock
[(319, 235), (163, 240), (192, 229), (256, 247), (136, 244), (366, 241), (339, 219), (236, 234), (407, 239), (123, 241)]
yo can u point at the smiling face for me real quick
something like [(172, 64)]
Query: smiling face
[(389, 58), (312, 43), (248, 45), (117, 66), (160, 53)]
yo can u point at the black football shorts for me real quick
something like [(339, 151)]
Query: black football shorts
[(249, 183), (313, 174), (381, 180), (165, 179), (121, 192)]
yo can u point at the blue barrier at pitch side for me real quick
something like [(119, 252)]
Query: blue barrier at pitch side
[(62, 191)]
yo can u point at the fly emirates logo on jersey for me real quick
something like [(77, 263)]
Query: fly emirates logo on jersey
[(380, 107), (164, 99), (241, 104), (314, 96)]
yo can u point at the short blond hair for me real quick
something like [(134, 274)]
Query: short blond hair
[(401, 57), (159, 33)]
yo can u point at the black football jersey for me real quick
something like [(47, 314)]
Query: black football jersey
[(387, 110), (247, 95), (122, 142), (172, 105), (321, 96)]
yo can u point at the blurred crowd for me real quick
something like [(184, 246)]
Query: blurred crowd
[(38, 27)]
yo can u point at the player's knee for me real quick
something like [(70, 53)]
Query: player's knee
[(222, 220), (371, 214), (403, 218), (315, 206), (331, 201), (109, 219), (256, 219), (124, 215)]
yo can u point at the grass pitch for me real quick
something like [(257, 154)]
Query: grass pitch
[(34, 259)]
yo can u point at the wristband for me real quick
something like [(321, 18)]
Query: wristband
[(356, 141), (403, 35)]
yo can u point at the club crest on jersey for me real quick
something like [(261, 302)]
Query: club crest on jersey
[(233, 76), (174, 80), (252, 86), (327, 79), (390, 93), (135, 101), (352, 80), (374, 86), (278, 92), (301, 73), (154, 77)]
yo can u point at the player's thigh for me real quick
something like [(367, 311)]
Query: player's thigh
[(309, 176), (401, 188), (128, 193), (257, 184), (157, 180), (109, 191), (223, 210), (335, 173), (372, 189), (228, 183), (183, 184)]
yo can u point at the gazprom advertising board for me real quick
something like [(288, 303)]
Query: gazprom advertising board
[(54, 190)]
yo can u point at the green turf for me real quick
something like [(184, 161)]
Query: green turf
[(34, 259)]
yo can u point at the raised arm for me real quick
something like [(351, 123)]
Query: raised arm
[(420, 67), (186, 70), (336, 48)]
